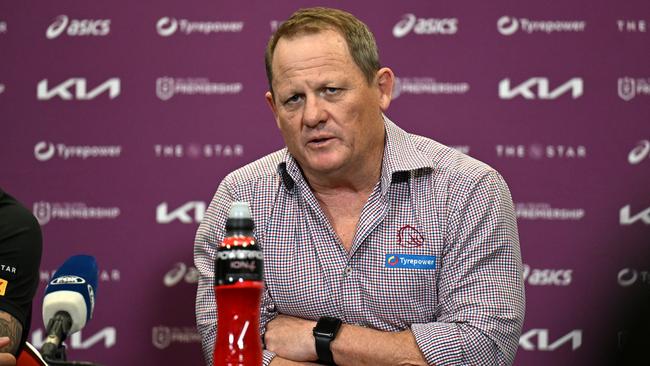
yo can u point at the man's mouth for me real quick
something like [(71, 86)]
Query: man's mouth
[(320, 140)]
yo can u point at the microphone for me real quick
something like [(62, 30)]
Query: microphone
[(69, 302)]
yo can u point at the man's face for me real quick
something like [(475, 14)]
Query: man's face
[(329, 117)]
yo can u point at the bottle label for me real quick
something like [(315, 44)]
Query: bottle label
[(238, 259)]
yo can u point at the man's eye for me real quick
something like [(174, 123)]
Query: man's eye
[(293, 99), (332, 91)]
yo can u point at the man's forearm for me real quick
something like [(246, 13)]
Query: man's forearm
[(10, 327), (291, 338), (279, 361), (357, 345)]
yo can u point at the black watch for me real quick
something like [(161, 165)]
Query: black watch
[(324, 332)]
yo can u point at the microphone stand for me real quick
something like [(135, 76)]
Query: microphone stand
[(53, 350)]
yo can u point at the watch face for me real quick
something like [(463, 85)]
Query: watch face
[(327, 326)]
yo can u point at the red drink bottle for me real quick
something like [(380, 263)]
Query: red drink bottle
[(238, 286)]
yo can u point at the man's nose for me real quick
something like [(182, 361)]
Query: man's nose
[(313, 113)]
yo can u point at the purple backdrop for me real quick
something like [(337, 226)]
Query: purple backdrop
[(119, 120)]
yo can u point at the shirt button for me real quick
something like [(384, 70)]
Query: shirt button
[(347, 271)]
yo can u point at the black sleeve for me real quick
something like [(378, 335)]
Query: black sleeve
[(20, 258)]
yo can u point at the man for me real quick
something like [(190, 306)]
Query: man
[(20, 257), (410, 246)]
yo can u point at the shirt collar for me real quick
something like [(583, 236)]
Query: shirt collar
[(400, 155)]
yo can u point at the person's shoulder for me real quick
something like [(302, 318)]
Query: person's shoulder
[(15, 216), (19, 228), (449, 159), (262, 169)]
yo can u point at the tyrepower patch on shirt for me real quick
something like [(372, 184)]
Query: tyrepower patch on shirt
[(410, 261), (3, 286)]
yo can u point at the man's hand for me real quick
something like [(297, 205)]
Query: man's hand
[(6, 359), (291, 338)]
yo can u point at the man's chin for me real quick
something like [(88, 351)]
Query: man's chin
[(324, 166)]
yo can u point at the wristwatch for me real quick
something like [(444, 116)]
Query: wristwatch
[(324, 332)]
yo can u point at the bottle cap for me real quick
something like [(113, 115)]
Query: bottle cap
[(240, 210)]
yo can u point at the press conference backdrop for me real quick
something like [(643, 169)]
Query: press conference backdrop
[(118, 121)]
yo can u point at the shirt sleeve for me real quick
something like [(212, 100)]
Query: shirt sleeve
[(480, 288), (210, 232)]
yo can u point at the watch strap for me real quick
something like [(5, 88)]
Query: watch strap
[(323, 350)]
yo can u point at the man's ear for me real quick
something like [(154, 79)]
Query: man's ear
[(271, 103), (385, 82)]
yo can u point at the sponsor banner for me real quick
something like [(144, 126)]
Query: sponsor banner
[(462, 148), (639, 153), (188, 213), (196, 151), (168, 26), (181, 273), (49, 211), (631, 25), (633, 277), (629, 217), (77, 89), (508, 25), (164, 336), (63, 25), (629, 88), (539, 151), (539, 88), (423, 85), (544, 211), (544, 340), (167, 87), (412, 24), (275, 24), (104, 338), (546, 276), (44, 151)]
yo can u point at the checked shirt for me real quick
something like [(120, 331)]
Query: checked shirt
[(436, 250)]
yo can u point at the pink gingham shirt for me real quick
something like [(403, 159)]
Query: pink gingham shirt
[(446, 211)]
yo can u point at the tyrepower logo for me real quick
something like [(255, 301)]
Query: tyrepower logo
[(508, 25), (77, 89), (44, 151), (539, 151), (629, 276), (167, 87), (626, 217), (48, 211), (78, 27), (629, 88), (430, 86), (168, 26), (84, 339), (639, 153), (189, 213), (424, 26), (538, 88), (541, 340), (547, 277)]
